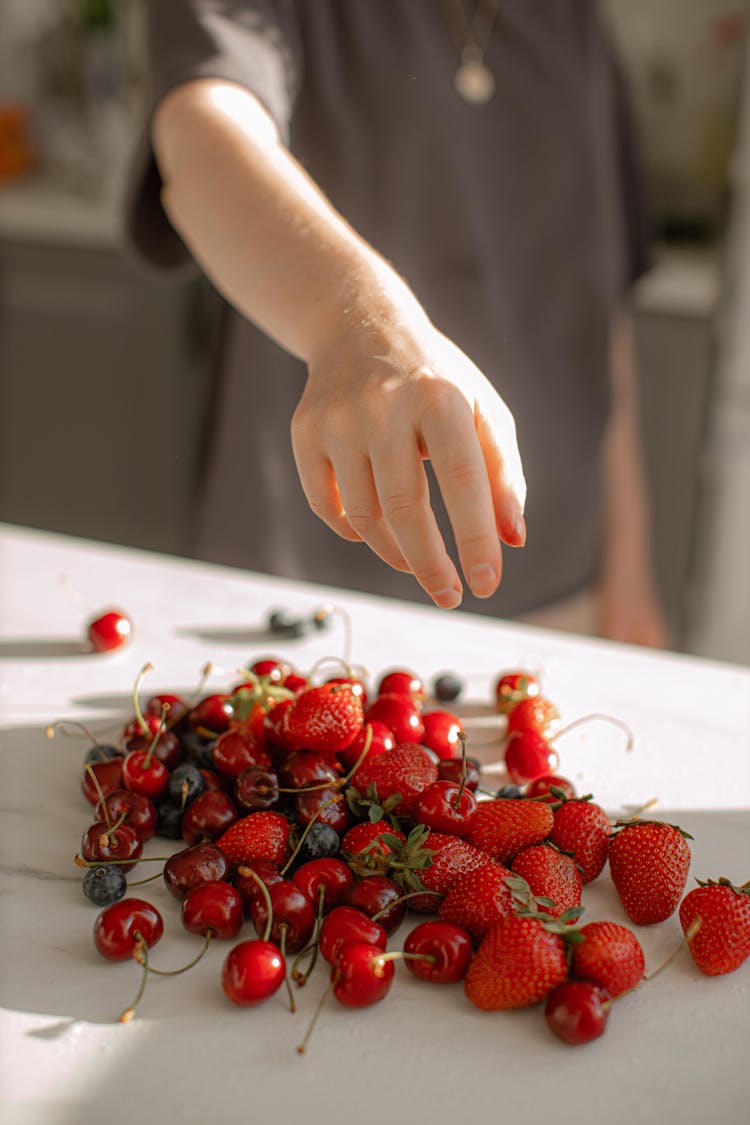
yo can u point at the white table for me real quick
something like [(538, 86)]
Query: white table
[(676, 1050)]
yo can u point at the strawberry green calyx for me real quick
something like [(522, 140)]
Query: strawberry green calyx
[(407, 859), (639, 821), (741, 889), (368, 806)]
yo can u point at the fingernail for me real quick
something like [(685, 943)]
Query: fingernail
[(447, 599), (519, 525), (483, 580)]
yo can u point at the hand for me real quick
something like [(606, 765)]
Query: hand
[(382, 398)]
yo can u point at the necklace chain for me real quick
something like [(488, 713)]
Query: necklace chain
[(474, 81)]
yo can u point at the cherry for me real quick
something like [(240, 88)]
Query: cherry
[(325, 879), (143, 773), (248, 874), (451, 769), (446, 952), (401, 682), (380, 898), (276, 670), (305, 768), (346, 924), (234, 752), (167, 748), (447, 806), (325, 806), (213, 713), (119, 927), (292, 912), (577, 1011), (361, 975), (146, 726), (213, 908), (541, 787), (200, 863), (176, 708), (106, 842), (208, 816), (528, 755), (381, 739), (108, 777), (514, 687), (536, 713), (274, 728), (400, 713), (109, 631), (252, 972), (441, 733), (257, 787), (139, 811)]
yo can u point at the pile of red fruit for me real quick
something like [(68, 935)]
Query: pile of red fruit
[(323, 818)]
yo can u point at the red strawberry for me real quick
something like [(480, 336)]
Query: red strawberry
[(325, 718), (609, 955), (649, 862), (478, 899), (715, 918), (405, 771), (553, 877), (519, 962), (446, 859), (504, 827), (365, 848), (512, 687), (261, 835), (583, 829)]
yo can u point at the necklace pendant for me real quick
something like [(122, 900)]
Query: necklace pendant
[(474, 81)]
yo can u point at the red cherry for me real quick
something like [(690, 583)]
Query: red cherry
[(304, 768), (233, 752), (108, 778), (345, 924), (528, 755), (451, 769), (535, 713), (143, 773), (401, 682), (257, 787), (118, 927), (325, 806), (167, 748), (577, 1011), (446, 807), (177, 707), (361, 975), (400, 713), (512, 688), (276, 670), (140, 811), (327, 876), (541, 786), (274, 725), (214, 908), (212, 713), (441, 734), (294, 682), (381, 739), (246, 883), (201, 863), (447, 951), (252, 972), (135, 729), (292, 912), (104, 843), (378, 895), (208, 816), (109, 631)]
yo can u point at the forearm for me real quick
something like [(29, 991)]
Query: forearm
[(259, 226)]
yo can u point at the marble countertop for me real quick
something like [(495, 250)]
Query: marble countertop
[(675, 1050)]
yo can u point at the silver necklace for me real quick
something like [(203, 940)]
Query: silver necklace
[(473, 80)]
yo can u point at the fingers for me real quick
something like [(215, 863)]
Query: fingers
[(363, 510), (321, 490), (499, 446)]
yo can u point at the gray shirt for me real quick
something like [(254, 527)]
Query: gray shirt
[(514, 222)]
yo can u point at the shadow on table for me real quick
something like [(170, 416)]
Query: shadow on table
[(21, 648)]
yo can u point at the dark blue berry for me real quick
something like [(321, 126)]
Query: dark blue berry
[(197, 750), (105, 884), (322, 840), (185, 784), (283, 625), (509, 793), (447, 687), (102, 752), (169, 820)]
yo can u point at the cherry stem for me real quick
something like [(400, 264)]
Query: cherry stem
[(148, 879), (462, 736), (62, 723), (402, 898), (337, 660), (321, 809), (175, 972), (140, 954), (248, 871), (401, 955), (339, 782), (111, 833), (299, 977), (604, 718), (335, 977), (283, 927), (145, 730), (81, 862), (206, 671), (100, 794), (155, 740)]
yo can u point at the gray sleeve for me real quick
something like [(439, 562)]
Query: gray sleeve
[(254, 44)]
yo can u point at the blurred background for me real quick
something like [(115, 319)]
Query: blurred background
[(105, 371)]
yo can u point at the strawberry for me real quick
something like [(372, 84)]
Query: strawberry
[(478, 899), (609, 955), (553, 877), (582, 829), (715, 918), (518, 963), (504, 827), (433, 861), (326, 718), (405, 771), (260, 835), (367, 846), (649, 862)]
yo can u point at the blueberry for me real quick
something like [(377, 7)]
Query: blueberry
[(169, 820), (283, 625), (509, 793), (322, 840), (102, 752), (185, 783), (197, 750), (105, 884), (447, 686)]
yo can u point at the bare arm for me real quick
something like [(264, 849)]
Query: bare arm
[(385, 388), (630, 606)]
